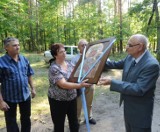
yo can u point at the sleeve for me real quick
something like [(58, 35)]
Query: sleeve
[(146, 81), (29, 69), (75, 59), (114, 64), (55, 74), (0, 75)]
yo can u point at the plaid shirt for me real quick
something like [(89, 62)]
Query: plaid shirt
[(14, 78)]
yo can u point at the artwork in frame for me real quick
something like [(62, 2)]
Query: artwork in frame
[(94, 60)]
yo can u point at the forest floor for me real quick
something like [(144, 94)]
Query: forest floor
[(106, 111)]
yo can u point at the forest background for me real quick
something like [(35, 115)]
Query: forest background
[(39, 23)]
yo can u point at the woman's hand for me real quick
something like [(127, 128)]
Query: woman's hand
[(84, 84)]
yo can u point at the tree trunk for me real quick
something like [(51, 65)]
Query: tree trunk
[(115, 14), (120, 27), (31, 41), (158, 30), (100, 28), (37, 26), (151, 17)]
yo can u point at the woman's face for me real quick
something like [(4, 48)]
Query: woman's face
[(61, 54)]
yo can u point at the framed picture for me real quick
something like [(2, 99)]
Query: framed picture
[(94, 60)]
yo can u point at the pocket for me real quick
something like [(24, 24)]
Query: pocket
[(9, 73)]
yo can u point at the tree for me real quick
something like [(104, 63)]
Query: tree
[(158, 30)]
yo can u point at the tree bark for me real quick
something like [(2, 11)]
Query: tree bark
[(120, 26), (151, 17), (158, 30)]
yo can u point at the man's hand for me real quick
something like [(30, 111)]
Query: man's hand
[(4, 106), (33, 92), (104, 81)]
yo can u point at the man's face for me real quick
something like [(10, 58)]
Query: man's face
[(81, 47), (13, 47), (133, 47)]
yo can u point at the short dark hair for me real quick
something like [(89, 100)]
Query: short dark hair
[(54, 48), (9, 39)]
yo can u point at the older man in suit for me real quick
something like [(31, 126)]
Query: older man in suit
[(140, 73)]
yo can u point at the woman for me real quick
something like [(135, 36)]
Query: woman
[(62, 94)]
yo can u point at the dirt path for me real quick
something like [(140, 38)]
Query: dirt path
[(106, 111)]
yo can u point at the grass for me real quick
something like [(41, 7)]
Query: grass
[(40, 104)]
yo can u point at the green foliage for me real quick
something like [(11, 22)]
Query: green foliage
[(118, 56), (34, 57), (38, 25), (140, 15)]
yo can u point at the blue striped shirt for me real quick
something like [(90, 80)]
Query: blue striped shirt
[(14, 78)]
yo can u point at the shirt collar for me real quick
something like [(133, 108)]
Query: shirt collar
[(139, 58), (10, 58)]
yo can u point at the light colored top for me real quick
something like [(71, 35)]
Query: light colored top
[(75, 59)]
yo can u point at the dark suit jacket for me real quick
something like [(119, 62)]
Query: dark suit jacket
[(137, 88)]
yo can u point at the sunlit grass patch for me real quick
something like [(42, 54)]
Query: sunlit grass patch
[(40, 107), (33, 57), (2, 120)]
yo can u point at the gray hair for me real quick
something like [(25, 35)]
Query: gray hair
[(7, 40), (82, 41), (141, 39)]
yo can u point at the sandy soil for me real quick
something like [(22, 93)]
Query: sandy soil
[(106, 111)]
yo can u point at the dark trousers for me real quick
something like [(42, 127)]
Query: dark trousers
[(59, 110), (25, 113), (130, 128)]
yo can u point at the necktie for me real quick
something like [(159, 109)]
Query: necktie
[(132, 65)]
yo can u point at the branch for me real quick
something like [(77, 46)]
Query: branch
[(153, 10)]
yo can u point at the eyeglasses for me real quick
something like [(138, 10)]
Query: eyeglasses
[(61, 51), (83, 45), (130, 45)]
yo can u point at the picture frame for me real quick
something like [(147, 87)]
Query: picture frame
[(94, 60)]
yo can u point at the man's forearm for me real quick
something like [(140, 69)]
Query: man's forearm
[(1, 99), (33, 91), (3, 105), (30, 82)]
